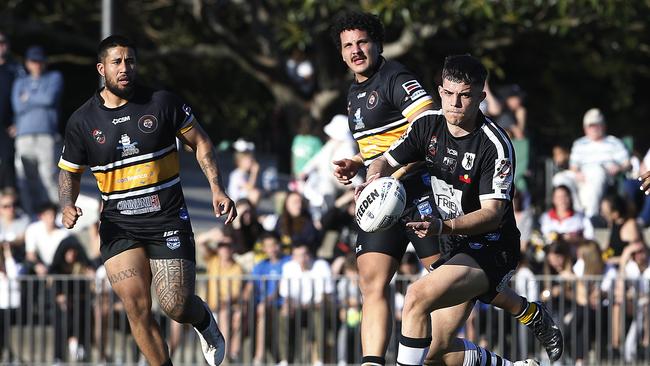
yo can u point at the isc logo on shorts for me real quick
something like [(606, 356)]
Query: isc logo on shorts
[(475, 245)]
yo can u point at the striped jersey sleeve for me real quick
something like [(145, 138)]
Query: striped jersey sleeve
[(498, 165), (407, 94), (74, 157)]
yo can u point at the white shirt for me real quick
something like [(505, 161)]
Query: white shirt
[(38, 240), (572, 224), (299, 285), (9, 287), (586, 152)]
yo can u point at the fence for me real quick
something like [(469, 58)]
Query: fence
[(79, 320)]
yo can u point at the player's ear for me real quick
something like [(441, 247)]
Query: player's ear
[(100, 69)]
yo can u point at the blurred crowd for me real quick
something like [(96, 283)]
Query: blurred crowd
[(297, 240)]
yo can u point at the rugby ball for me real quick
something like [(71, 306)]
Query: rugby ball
[(380, 204)]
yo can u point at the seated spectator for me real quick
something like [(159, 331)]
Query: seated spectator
[(245, 232), (558, 263), (295, 224), (42, 238), (622, 225), (349, 300), (71, 298), (563, 221), (633, 264), (305, 287), (264, 290), (9, 296), (513, 113), (595, 160), (242, 181), (562, 175), (224, 291), (340, 220), (12, 224), (321, 186), (637, 195)]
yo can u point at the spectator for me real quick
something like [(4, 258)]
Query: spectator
[(12, 224), (595, 160), (340, 219), (71, 298), (9, 296), (563, 221), (35, 99), (9, 71), (638, 194), (224, 291), (242, 181), (322, 187), (349, 300), (513, 115), (42, 238), (634, 261), (305, 286), (264, 290), (295, 225), (558, 263), (245, 232), (304, 145), (562, 175), (623, 228)]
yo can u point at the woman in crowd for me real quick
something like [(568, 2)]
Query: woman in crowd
[(295, 224), (622, 225), (563, 221)]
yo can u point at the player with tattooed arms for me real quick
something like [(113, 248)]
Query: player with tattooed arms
[(126, 134)]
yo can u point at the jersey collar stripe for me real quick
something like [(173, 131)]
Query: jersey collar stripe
[(133, 159), (421, 102), (141, 191), (69, 166), (381, 129)]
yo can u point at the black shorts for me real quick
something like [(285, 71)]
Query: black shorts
[(164, 244), (498, 259), (394, 240)]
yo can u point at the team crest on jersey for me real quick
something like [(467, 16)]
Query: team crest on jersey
[(358, 120), (432, 149), (127, 146), (99, 137), (148, 123), (372, 100), (468, 160), (502, 168), (173, 242)]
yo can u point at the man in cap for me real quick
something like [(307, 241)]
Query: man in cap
[(35, 99), (595, 159)]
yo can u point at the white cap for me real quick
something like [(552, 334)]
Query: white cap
[(242, 145), (338, 128), (593, 117)]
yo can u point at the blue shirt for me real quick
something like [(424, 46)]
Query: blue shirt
[(39, 113), (265, 287)]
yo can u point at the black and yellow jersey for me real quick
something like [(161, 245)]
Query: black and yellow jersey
[(131, 151), (378, 107)]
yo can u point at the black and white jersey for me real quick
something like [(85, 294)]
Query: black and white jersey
[(464, 170), (378, 107), (131, 151)]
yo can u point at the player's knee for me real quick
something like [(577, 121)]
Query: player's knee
[(177, 309), (137, 307), (416, 299), (373, 288), (439, 344)]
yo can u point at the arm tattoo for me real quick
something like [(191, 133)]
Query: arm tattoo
[(122, 275), (69, 184), (208, 164), (173, 280)]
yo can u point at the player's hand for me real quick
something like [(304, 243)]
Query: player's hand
[(223, 205), (645, 182), (345, 170), (426, 228), (360, 187), (70, 216)]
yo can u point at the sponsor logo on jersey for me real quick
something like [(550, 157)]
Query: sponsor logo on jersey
[(447, 204), (361, 95), (432, 149), (468, 160), (173, 242), (465, 178), (452, 152), (121, 120), (128, 148), (372, 100), (143, 178), (98, 135), (450, 163), (148, 123), (425, 209), (358, 120), (492, 236), (475, 245), (411, 86), (502, 174), (417, 95), (140, 205)]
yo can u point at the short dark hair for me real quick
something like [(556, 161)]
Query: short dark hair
[(47, 206), (464, 69), (357, 20), (269, 235), (113, 41)]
